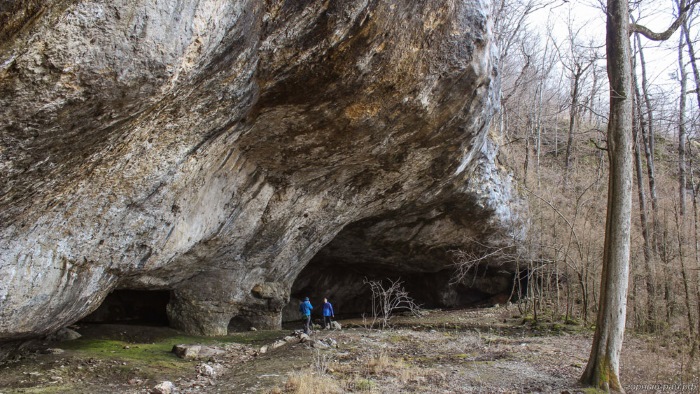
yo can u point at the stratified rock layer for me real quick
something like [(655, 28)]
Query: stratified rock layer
[(213, 147)]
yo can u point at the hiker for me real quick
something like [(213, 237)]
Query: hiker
[(327, 313), (305, 308)]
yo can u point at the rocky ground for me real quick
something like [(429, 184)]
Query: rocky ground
[(487, 350)]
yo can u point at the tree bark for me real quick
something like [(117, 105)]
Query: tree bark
[(680, 224), (603, 366), (649, 275), (693, 62), (696, 239), (573, 114), (647, 130), (681, 125)]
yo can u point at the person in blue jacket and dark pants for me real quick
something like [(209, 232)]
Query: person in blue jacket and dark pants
[(327, 313), (305, 308)]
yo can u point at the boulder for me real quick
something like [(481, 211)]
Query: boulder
[(197, 352), (166, 387), (212, 149), (64, 334)]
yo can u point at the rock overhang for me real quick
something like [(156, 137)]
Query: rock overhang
[(214, 147)]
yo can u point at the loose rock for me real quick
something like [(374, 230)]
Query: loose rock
[(319, 345), (197, 352), (206, 370), (64, 334), (165, 387)]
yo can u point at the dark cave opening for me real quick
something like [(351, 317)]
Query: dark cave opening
[(124, 306), (239, 324), (345, 288), (418, 246)]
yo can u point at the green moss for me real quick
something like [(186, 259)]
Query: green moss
[(395, 338), (158, 353), (117, 350), (60, 389)]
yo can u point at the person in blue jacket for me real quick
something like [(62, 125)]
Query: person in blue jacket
[(305, 308), (327, 313)]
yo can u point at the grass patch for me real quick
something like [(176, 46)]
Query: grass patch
[(309, 383), (160, 349), (361, 385), (156, 357), (159, 352), (58, 389)]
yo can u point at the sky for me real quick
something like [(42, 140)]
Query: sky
[(661, 58)]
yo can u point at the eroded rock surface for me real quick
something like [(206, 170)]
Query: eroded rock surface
[(212, 148)]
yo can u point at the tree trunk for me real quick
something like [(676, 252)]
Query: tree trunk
[(681, 126), (603, 367), (593, 95), (693, 62), (684, 274), (649, 275), (573, 113), (696, 238), (526, 162), (647, 130)]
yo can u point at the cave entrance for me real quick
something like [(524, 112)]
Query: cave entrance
[(239, 324), (372, 250), (138, 307)]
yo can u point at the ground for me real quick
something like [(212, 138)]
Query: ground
[(485, 350)]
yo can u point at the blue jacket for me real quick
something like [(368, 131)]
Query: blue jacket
[(328, 309), (305, 308)]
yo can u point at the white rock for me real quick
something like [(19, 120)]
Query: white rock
[(195, 352), (206, 370), (319, 345), (165, 387), (279, 343)]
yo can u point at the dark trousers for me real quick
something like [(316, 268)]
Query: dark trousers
[(326, 321), (307, 324)]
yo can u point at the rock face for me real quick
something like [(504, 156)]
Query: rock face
[(212, 148)]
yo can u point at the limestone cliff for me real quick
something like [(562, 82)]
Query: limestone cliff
[(212, 148)]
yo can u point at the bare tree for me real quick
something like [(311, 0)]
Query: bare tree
[(389, 299), (683, 79), (603, 367), (648, 138), (577, 61), (691, 54), (644, 221)]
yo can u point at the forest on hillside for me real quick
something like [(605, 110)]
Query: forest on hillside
[(552, 126)]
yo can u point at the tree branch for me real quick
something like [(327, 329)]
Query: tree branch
[(646, 32)]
